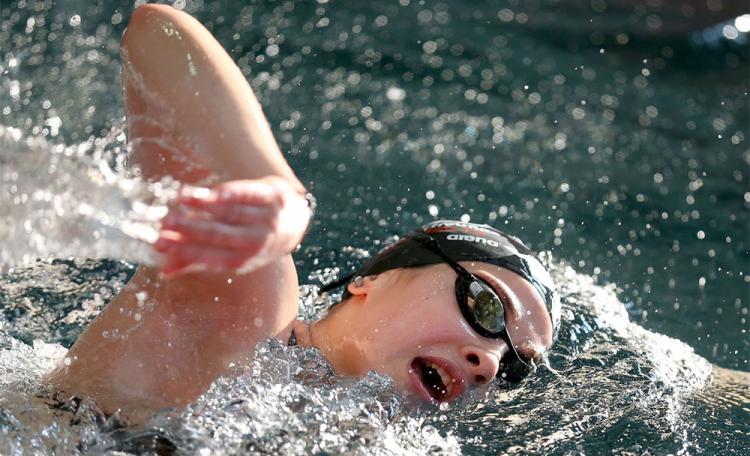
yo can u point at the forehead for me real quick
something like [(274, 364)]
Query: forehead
[(529, 322)]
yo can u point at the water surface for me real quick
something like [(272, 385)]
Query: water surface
[(627, 160)]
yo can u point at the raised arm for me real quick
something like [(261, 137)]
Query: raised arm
[(191, 115)]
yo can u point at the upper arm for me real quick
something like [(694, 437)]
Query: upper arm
[(182, 85)]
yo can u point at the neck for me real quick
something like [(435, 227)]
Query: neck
[(335, 336)]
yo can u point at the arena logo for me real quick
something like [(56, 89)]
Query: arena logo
[(469, 238), (438, 227)]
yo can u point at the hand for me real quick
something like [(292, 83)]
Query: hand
[(237, 225)]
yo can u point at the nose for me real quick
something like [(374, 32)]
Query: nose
[(482, 364)]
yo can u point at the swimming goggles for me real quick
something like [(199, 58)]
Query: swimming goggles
[(484, 311)]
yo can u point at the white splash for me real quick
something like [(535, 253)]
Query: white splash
[(61, 201)]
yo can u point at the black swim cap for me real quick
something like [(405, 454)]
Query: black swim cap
[(465, 242)]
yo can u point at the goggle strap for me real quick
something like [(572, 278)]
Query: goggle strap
[(336, 283)]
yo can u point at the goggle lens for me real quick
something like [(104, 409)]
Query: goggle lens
[(488, 309)]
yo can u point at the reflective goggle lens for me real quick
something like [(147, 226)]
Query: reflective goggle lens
[(487, 307)]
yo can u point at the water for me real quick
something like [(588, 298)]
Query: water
[(71, 202), (627, 159)]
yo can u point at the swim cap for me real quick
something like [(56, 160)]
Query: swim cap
[(465, 242)]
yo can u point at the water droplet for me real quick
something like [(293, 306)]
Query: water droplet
[(395, 93)]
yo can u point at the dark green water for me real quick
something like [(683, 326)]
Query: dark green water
[(628, 161)]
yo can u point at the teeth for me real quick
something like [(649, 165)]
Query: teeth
[(444, 377)]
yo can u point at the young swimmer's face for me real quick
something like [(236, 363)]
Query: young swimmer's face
[(411, 328)]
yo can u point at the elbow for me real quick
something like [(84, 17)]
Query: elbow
[(151, 21)]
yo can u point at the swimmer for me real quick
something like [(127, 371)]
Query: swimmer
[(446, 309)]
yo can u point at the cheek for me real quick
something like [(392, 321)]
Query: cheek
[(432, 320), (417, 316)]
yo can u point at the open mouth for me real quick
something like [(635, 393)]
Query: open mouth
[(436, 380)]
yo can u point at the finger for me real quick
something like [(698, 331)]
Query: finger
[(248, 192), (196, 194), (167, 241), (214, 233), (230, 214), (183, 213), (241, 192), (233, 213)]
